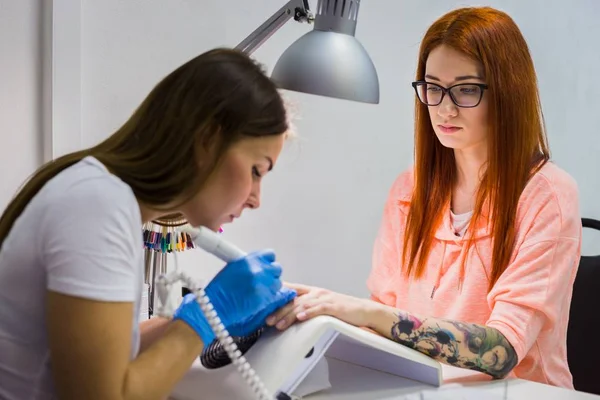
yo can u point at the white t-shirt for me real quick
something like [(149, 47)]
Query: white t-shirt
[(460, 222), (81, 236)]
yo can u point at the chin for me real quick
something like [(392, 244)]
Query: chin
[(195, 222), (214, 224), (213, 227), (449, 142), (455, 142)]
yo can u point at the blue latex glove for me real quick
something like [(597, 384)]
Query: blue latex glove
[(244, 293), (254, 322)]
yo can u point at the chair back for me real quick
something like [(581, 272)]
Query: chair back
[(583, 351)]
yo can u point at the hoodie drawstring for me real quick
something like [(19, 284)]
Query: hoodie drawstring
[(462, 272), (440, 269)]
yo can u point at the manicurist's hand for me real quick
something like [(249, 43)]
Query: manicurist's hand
[(244, 293)]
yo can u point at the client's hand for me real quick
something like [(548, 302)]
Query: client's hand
[(313, 301), (243, 294)]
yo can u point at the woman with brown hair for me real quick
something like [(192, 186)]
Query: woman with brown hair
[(71, 255), (479, 245)]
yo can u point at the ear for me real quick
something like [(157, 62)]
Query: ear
[(209, 138), (210, 148)]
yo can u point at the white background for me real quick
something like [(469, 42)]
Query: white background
[(322, 204)]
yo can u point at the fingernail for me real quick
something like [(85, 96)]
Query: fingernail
[(270, 320), (301, 315), (281, 324)]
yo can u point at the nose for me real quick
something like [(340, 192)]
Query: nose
[(447, 108), (253, 201)]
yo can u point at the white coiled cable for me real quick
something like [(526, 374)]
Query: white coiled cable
[(163, 286)]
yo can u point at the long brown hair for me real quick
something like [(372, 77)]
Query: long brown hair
[(176, 138), (517, 143)]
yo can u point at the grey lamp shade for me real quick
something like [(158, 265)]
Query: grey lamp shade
[(328, 63)]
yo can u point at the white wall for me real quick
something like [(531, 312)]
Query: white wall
[(322, 204), (20, 93)]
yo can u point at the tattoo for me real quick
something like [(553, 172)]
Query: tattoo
[(470, 346)]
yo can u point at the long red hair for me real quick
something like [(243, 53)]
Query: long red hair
[(517, 143)]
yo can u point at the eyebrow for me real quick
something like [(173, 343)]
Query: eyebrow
[(458, 78)]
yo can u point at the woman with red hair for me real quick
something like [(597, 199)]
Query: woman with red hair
[(480, 241)]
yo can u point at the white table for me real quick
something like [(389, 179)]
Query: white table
[(352, 382)]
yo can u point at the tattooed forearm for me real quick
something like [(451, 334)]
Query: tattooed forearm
[(455, 343)]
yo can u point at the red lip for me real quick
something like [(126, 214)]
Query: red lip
[(448, 128)]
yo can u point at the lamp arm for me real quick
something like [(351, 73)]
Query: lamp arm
[(297, 9)]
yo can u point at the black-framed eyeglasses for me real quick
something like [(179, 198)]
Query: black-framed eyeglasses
[(465, 95)]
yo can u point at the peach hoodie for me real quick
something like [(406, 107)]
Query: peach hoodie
[(529, 304)]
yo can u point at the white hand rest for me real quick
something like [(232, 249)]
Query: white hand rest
[(279, 358)]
